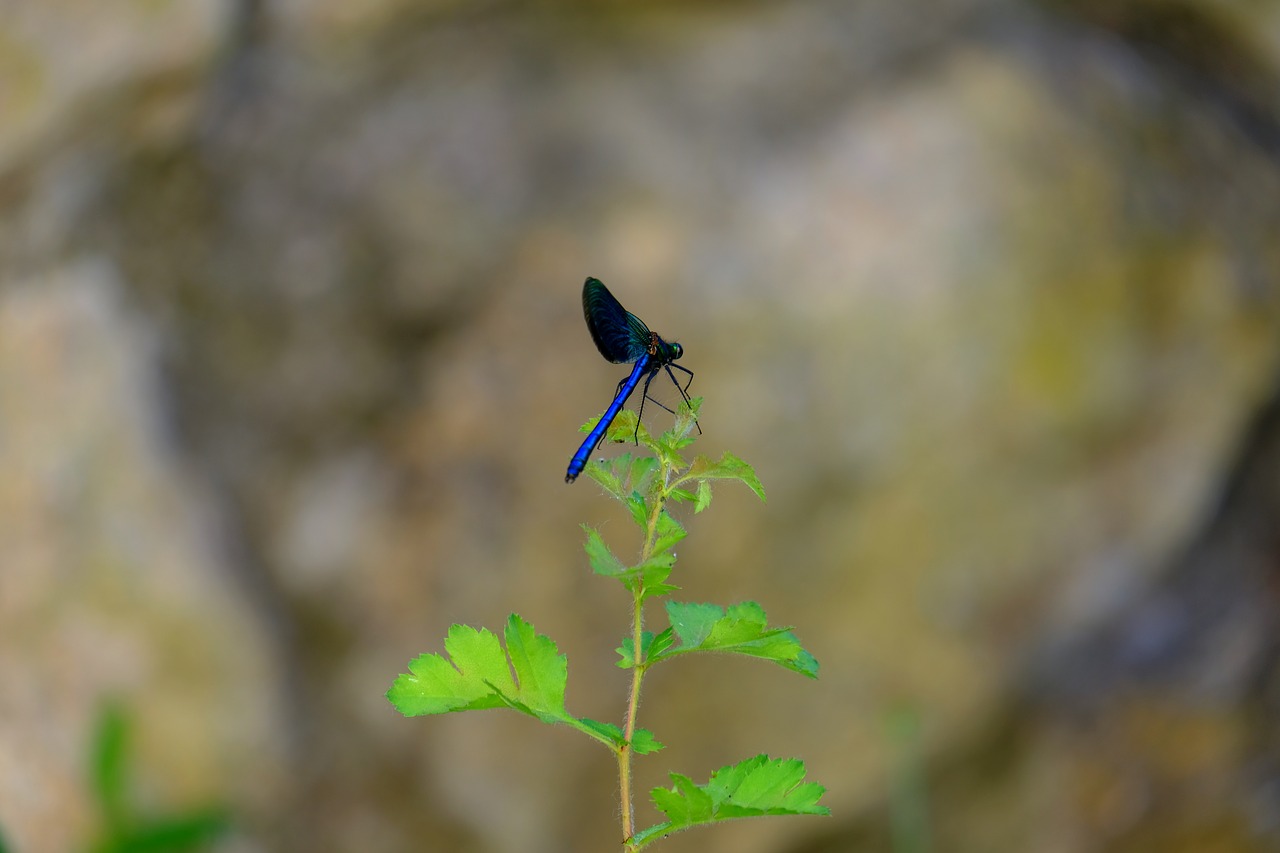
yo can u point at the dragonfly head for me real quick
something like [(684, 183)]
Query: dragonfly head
[(664, 351)]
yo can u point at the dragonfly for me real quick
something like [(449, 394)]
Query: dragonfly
[(623, 338)]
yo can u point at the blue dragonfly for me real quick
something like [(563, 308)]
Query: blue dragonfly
[(623, 338)]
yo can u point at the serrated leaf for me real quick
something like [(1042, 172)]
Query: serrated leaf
[(663, 641), (640, 471), (704, 496), (668, 450), (627, 650), (606, 476), (651, 574), (686, 422), (607, 732), (657, 590), (742, 629), (650, 577), (649, 645), (627, 474), (529, 676), (639, 509), (684, 804), (728, 467), (541, 671), (434, 685), (654, 571), (693, 622), (680, 495), (644, 743), (752, 788), (668, 532), (602, 560), (762, 785), (683, 442), (626, 427)]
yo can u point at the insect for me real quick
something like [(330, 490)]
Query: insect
[(623, 338)]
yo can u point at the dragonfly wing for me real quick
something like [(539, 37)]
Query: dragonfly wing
[(640, 334), (619, 335)]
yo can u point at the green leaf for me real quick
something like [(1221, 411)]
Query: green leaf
[(170, 835), (108, 762), (434, 685), (627, 649), (729, 467), (624, 474), (602, 560), (743, 629), (661, 643), (653, 573), (680, 495), (639, 509), (752, 788), (123, 829), (604, 473), (686, 422), (607, 732), (478, 675), (669, 532), (693, 622), (541, 672), (669, 454), (650, 577), (704, 496), (626, 427), (649, 645), (640, 472), (643, 742), (684, 804), (529, 677)]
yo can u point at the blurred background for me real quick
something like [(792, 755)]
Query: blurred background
[(292, 361)]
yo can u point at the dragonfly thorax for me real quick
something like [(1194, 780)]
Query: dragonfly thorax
[(663, 350)]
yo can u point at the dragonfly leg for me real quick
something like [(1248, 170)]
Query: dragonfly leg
[(683, 391), (645, 396), (660, 405)]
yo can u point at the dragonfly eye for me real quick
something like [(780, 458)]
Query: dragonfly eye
[(676, 351)]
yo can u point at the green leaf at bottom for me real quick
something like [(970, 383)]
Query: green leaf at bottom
[(752, 788)]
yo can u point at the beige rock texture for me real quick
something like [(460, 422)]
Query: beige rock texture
[(292, 360)]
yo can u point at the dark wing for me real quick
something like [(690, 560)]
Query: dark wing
[(619, 335)]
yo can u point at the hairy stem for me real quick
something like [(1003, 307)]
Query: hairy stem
[(633, 706), (638, 671)]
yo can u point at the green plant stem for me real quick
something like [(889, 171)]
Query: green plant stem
[(633, 706), (638, 671)]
